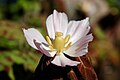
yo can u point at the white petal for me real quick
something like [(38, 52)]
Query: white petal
[(50, 27), (79, 48), (56, 61), (72, 27), (61, 60), (63, 23), (44, 49), (52, 53), (78, 29), (32, 34), (56, 22)]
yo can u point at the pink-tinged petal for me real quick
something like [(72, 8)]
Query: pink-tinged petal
[(61, 60), (33, 34), (79, 48), (44, 49), (78, 30), (56, 22)]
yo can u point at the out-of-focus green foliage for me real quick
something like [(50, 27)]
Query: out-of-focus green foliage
[(104, 54), (26, 5), (103, 46), (8, 58), (34, 21), (11, 44), (19, 9), (114, 3), (115, 6), (14, 49)]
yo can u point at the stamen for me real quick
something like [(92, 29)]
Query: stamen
[(68, 46), (51, 47), (49, 41), (67, 38)]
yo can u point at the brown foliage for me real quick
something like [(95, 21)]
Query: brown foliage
[(86, 68)]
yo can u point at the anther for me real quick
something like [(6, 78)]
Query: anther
[(49, 41), (67, 38)]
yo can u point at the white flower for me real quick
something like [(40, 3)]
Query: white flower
[(70, 38)]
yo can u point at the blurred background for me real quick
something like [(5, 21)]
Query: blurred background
[(18, 60)]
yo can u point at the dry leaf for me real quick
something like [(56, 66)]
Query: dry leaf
[(86, 68)]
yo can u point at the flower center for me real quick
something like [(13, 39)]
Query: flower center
[(59, 42)]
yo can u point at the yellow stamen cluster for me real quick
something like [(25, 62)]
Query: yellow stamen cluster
[(59, 42)]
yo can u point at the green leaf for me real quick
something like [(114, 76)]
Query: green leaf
[(17, 59), (11, 74)]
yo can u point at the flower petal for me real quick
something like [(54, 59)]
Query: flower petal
[(79, 48), (72, 26), (33, 34), (56, 61), (50, 27), (45, 50), (61, 60), (78, 29), (56, 22)]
